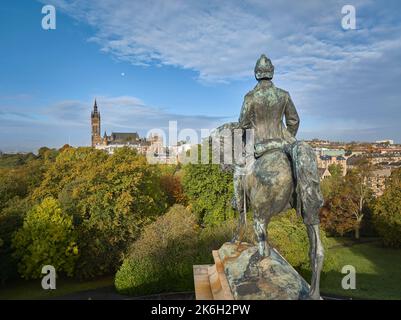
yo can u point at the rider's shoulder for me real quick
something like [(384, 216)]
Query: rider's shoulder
[(254, 91), (282, 92), (250, 94)]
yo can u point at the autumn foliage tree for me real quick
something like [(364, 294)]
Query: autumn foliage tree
[(387, 211), (47, 237), (358, 182), (210, 191), (171, 184), (110, 198), (336, 215), (346, 200), (336, 169)]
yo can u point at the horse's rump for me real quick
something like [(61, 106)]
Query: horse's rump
[(269, 183)]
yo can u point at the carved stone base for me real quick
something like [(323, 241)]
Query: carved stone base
[(240, 274)]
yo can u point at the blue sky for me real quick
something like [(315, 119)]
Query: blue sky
[(192, 62)]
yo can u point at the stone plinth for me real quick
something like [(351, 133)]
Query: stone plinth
[(240, 274), (211, 282)]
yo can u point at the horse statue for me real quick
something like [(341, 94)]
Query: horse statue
[(280, 172)]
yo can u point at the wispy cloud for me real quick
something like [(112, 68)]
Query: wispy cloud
[(127, 113), (220, 39), (69, 121), (335, 76)]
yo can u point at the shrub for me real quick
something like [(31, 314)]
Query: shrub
[(161, 260), (47, 237)]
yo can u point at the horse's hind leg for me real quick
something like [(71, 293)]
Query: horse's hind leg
[(259, 225), (316, 255), (240, 200), (239, 234)]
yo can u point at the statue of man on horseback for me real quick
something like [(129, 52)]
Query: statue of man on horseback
[(281, 172)]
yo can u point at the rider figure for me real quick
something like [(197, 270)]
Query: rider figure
[(264, 110)]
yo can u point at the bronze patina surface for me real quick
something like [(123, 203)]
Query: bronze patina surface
[(280, 172)]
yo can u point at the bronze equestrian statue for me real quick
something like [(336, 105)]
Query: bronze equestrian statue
[(281, 173)]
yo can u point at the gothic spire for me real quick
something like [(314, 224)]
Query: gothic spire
[(95, 107)]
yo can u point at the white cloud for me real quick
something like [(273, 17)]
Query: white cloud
[(331, 73), (219, 39)]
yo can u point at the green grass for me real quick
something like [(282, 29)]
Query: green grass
[(378, 271), (32, 289)]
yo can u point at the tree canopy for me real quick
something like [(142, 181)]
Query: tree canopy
[(387, 211)]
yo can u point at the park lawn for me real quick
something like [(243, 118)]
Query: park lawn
[(378, 272), (32, 289)]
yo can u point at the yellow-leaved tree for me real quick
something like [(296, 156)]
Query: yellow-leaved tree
[(47, 237)]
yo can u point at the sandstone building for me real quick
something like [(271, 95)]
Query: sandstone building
[(118, 139)]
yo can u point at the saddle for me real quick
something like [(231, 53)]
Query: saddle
[(269, 145)]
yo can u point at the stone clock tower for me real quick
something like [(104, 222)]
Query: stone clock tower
[(95, 121)]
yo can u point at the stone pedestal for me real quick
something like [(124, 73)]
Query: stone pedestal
[(239, 273)]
